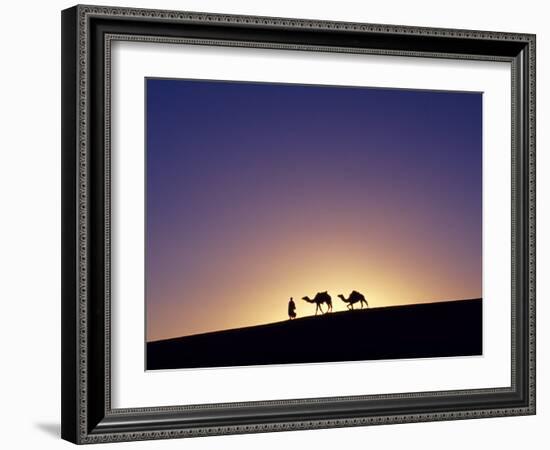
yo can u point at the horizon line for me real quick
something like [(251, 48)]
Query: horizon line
[(317, 316)]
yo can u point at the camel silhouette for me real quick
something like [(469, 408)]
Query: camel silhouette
[(354, 297), (319, 299)]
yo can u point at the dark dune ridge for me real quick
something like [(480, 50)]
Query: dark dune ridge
[(450, 328)]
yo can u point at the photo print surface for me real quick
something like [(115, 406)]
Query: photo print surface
[(290, 223)]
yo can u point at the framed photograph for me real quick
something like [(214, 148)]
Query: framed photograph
[(277, 224)]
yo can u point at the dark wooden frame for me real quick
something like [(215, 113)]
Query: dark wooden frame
[(87, 416)]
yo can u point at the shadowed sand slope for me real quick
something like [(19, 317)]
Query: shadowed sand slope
[(452, 328)]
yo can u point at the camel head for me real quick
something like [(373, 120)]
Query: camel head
[(307, 299), (342, 297)]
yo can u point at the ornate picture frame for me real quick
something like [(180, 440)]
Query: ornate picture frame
[(88, 33)]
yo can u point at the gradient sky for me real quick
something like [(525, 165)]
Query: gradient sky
[(257, 192)]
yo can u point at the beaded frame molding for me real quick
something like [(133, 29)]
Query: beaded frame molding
[(87, 35)]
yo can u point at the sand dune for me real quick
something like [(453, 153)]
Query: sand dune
[(451, 328)]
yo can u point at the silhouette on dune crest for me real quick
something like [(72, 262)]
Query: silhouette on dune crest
[(291, 309), (448, 328), (354, 297), (319, 299)]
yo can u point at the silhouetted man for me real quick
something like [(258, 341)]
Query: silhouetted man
[(291, 309)]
